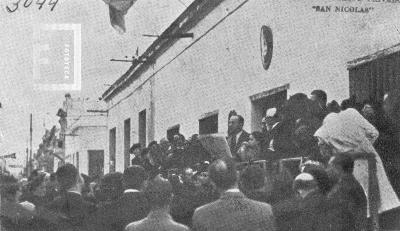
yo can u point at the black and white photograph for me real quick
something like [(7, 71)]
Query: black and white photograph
[(200, 115)]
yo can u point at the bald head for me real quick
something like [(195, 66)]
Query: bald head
[(304, 183), (223, 173)]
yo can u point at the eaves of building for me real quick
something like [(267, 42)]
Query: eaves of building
[(371, 57), (186, 21)]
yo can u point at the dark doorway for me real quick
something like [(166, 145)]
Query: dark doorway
[(127, 141), (263, 101), (208, 125), (112, 149), (371, 80), (142, 128), (96, 162)]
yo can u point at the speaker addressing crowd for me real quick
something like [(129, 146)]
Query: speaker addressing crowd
[(177, 185)]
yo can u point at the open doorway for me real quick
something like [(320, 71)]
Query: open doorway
[(127, 142), (96, 163), (112, 148), (142, 128), (261, 102), (208, 123)]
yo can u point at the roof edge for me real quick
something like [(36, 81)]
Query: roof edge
[(371, 57), (185, 21)]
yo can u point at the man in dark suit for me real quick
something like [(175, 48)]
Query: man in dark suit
[(133, 205), (159, 194), (320, 97), (305, 212), (136, 151), (236, 134), (347, 195), (280, 136), (270, 121), (76, 213), (233, 211)]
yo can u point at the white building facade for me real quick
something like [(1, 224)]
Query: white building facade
[(85, 135), (193, 83)]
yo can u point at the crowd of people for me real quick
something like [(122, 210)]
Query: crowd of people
[(175, 184)]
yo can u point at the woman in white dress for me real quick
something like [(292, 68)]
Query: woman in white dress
[(349, 132)]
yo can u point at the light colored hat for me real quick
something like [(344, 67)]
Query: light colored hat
[(304, 177), (304, 181), (271, 112)]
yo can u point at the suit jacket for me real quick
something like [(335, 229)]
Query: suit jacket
[(305, 214), (281, 138), (348, 197), (133, 206), (74, 211), (156, 221), (311, 214), (243, 138), (106, 217), (137, 161), (234, 212), (14, 216)]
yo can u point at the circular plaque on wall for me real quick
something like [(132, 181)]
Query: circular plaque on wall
[(266, 46)]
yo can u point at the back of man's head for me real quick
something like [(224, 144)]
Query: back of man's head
[(134, 177), (134, 147), (252, 178), (320, 95), (158, 192), (343, 161), (152, 143), (223, 173), (156, 154), (67, 176), (321, 177)]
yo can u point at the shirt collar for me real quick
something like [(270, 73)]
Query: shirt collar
[(232, 193), (232, 190), (238, 135), (76, 192), (158, 214), (130, 190)]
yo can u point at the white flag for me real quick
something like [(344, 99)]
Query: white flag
[(118, 10)]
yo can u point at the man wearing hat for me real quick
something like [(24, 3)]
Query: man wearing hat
[(269, 122), (279, 143), (136, 154)]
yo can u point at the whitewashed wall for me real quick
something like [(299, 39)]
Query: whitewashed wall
[(223, 66)]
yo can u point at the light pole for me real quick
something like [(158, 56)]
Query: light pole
[(29, 168)]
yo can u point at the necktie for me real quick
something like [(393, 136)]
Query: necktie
[(233, 144)]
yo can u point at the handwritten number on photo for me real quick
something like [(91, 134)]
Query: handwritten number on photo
[(40, 3), (26, 5), (53, 3), (16, 4)]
